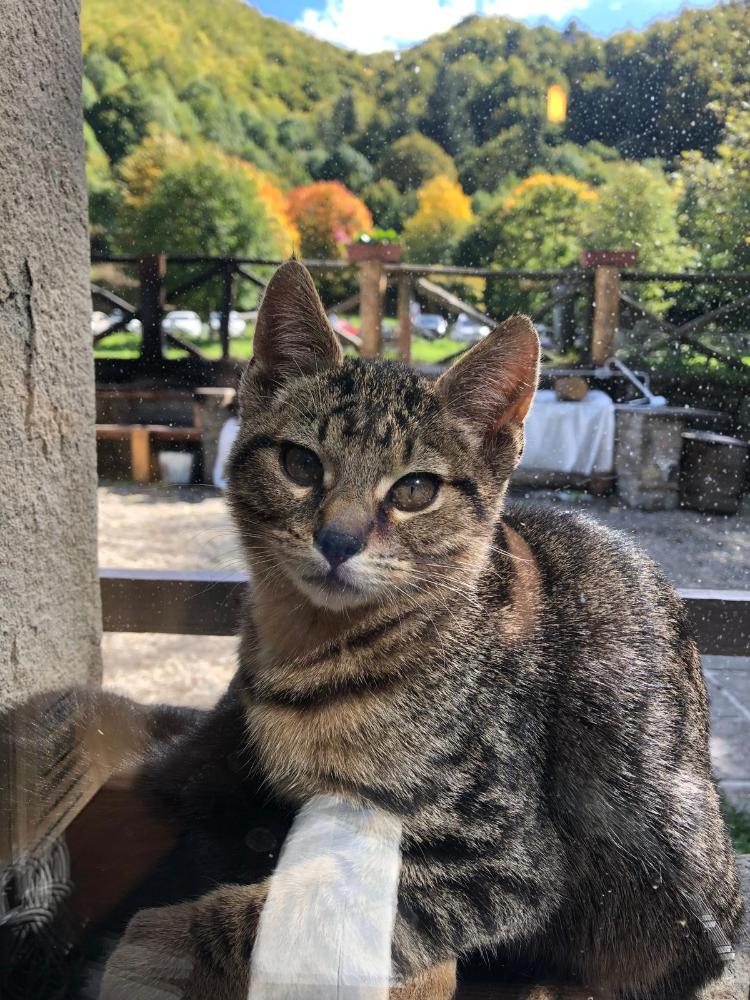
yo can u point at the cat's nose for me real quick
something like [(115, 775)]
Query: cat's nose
[(337, 545)]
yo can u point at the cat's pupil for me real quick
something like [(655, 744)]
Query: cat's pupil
[(415, 491), (301, 465)]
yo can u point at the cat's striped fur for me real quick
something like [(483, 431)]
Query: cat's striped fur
[(519, 687)]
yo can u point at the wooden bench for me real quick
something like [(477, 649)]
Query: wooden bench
[(140, 437), (118, 413)]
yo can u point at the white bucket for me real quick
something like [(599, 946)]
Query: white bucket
[(176, 467)]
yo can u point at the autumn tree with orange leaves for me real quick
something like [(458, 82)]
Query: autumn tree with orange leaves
[(328, 216)]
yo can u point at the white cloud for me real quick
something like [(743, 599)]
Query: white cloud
[(389, 24), (555, 10)]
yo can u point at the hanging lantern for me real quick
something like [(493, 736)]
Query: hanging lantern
[(557, 104)]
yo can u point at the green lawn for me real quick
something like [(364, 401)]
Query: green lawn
[(125, 346)]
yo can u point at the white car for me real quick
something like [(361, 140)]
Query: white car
[(133, 325), (183, 321), (468, 330), (99, 321), (430, 325), (237, 323)]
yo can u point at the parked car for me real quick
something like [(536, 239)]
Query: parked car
[(182, 321), (430, 325), (99, 321), (468, 330), (132, 326), (237, 323)]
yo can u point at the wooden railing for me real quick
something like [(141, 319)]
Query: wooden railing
[(209, 603), (587, 300)]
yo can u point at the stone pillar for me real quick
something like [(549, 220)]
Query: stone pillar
[(648, 442), (49, 593)]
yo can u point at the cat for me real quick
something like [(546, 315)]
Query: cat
[(518, 687)]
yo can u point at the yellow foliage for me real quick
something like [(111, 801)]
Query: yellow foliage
[(442, 198), (277, 209), (141, 170), (552, 183), (443, 216)]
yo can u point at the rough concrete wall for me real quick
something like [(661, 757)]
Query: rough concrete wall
[(49, 604)]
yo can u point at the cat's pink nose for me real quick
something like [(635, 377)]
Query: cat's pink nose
[(337, 545)]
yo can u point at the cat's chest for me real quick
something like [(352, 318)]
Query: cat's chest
[(337, 742)]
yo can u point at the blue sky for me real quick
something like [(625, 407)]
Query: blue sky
[(387, 24)]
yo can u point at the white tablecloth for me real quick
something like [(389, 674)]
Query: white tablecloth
[(570, 437)]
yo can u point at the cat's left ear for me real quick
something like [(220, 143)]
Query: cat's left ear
[(292, 335), (492, 386)]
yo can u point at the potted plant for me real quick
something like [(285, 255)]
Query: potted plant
[(609, 258), (378, 244)]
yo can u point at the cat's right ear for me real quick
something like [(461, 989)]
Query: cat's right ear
[(292, 334), (492, 386)]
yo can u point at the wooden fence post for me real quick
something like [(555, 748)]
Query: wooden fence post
[(607, 265), (606, 313), (372, 289), (227, 297), (404, 316), (153, 297)]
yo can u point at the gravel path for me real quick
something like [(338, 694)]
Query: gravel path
[(155, 527)]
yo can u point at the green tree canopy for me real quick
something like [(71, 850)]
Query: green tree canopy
[(715, 205), (414, 159), (206, 204)]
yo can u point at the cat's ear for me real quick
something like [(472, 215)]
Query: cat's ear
[(493, 384), (292, 334)]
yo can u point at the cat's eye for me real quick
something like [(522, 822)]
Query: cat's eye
[(301, 465), (414, 492)]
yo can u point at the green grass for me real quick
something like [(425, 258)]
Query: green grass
[(126, 346), (738, 824)]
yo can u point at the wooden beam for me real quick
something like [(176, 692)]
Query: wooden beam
[(207, 602), (456, 305), (176, 602)]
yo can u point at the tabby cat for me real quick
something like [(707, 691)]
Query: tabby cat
[(518, 687)]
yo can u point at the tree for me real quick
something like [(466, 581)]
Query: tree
[(413, 160), (202, 203), (104, 194), (715, 202), (327, 216), (637, 209), (144, 168), (446, 120), (485, 168), (539, 225), (343, 164), (444, 213), (388, 206)]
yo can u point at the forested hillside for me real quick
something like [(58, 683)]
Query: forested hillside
[(205, 107)]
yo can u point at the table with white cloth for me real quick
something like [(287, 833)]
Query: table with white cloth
[(576, 438)]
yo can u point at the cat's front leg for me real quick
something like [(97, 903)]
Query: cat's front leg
[(202, 949), (190, 951)]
